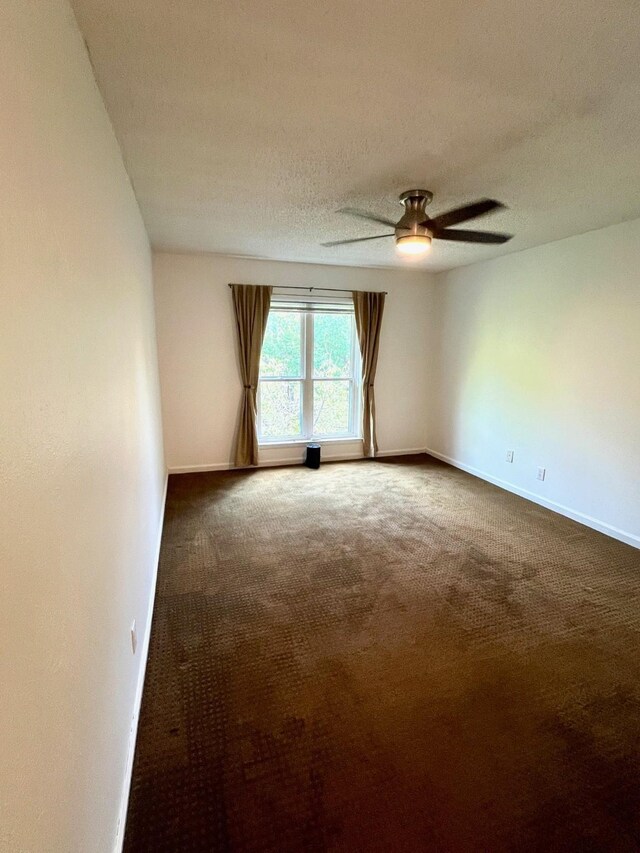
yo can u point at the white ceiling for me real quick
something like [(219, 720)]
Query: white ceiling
[(246, 123)]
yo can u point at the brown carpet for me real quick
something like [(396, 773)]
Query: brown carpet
[(386, 656)]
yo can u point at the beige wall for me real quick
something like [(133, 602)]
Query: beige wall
[(197, 352), (81, 472), (539, 352)]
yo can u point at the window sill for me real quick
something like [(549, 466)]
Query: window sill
[(302, 442)]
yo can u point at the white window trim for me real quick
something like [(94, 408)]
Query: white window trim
[(307, 379), (302, 442)]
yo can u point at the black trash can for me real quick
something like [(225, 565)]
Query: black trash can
[(312, 459)]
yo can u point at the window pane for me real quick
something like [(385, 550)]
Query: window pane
[(281, 349), (331, 406), (332, 345), (280, 410)]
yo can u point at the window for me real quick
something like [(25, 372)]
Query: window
[(309, 373)]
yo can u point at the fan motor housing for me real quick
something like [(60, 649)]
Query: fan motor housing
[(414, 219)]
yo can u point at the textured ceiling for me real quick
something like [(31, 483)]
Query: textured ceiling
[(246, 123)]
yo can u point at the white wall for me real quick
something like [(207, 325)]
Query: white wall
[(197, 348), (82, 473), (539, 352)]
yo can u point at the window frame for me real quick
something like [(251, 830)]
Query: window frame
[(308, 310)]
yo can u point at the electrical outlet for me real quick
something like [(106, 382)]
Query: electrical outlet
[(509, 455), (134, 637), (542, 473)]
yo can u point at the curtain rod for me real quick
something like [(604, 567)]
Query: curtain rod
[(310, 289)]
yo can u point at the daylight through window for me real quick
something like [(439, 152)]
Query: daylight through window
[(309, 373)]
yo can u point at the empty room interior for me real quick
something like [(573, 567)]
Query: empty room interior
[(320, 426)]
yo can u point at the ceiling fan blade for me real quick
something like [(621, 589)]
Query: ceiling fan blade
[(469, 211), (461, 236), (364, 214), (357, 240)]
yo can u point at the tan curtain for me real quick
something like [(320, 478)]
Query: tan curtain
[(369, 308), (251, 304)]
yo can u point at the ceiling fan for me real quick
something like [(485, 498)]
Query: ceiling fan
[(414, 231)]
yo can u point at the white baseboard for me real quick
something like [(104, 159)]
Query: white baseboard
[(288, 460), (412, 451), (137, 701), (574, 514), (200, 469)]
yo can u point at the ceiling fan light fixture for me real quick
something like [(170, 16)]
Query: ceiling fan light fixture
[(414, 231), (413, 244)]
